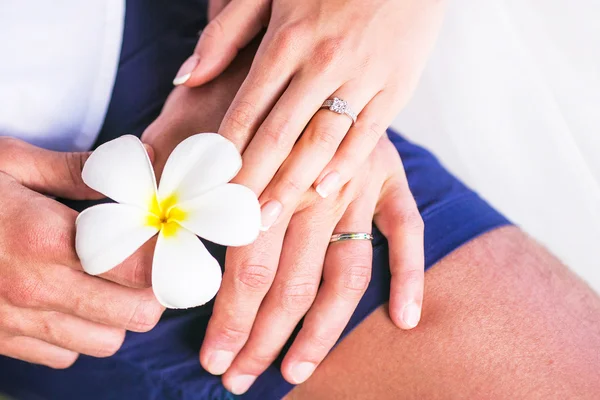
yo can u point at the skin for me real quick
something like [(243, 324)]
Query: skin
[(372, 60), (42, 319), (539, 320), (503, 319), (275, 281)]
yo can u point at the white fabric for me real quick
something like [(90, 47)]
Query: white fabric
[(59, 62), (511, 103)]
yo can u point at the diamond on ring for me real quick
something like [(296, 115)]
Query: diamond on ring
[(339, 106)]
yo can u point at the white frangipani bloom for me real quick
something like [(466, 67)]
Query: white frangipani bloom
[(193, 198)]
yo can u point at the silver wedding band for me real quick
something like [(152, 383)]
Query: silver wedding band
[(340, 106), (340, 237)]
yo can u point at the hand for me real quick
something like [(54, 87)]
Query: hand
[(50, 310), (369, 53), (269, 286)]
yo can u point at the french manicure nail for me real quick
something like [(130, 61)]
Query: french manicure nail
[(328, 184), (240, 384), (411, 315), (302, 371), (269, 213), (185, 71), (219, 362)]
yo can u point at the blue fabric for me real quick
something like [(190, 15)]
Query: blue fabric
[(163, 364)]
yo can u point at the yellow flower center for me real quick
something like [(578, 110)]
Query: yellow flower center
[(165, 215)]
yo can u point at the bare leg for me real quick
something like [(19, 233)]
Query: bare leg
[(502, 319)]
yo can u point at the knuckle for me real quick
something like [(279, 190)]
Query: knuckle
[(239, 119), (26, 292), (255, 278), (355, 279), (324, 137), (145, 315), (214, 29), (297, 296), (257, 360), (374, 132), (322, 342), (290, 35), (229, 333), (289, 187), (276, 134), (412, 220), (327, 52)]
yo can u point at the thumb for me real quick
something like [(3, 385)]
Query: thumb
[(44, 171), (222, 39)]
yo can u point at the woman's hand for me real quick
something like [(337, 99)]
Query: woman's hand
[(50, 310), (293, 272), (369, 53), (269, 286)]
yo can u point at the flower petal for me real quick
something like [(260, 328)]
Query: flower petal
[(109, 233), (184, 273), (198, 164), (121, 169), (228, 215)]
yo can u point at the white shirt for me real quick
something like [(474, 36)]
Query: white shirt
[(58, 65)]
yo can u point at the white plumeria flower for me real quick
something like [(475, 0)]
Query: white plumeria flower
[(193, 198)]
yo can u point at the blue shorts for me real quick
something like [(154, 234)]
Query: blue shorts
[(163, 364)]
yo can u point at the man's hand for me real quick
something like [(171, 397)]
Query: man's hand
[(293, 272), (50, 310)]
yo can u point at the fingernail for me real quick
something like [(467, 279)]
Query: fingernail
[(302, 371), (219, 362), (328, 184), (185, 71), (411, 315), (269, 213), (240, 384)]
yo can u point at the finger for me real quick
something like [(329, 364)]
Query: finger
[(215, 7), (62, 330), (398, 218), (249, 273), (291, 295), (276, 137), (57, 245), (136, 270), (268, 78), (224, 36), (44, 171), (312, 152), (94, 299), (36, 351), (346, 276), (358, 144)]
